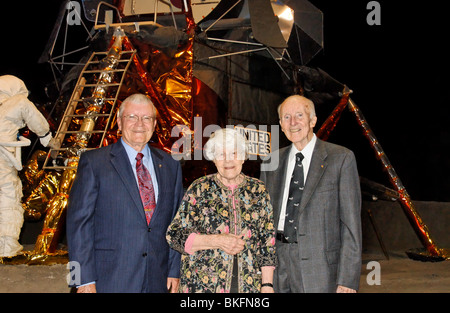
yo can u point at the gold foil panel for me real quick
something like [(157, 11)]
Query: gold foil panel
[(169, 84)]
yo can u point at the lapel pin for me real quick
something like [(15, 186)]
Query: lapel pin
[(160, 165)]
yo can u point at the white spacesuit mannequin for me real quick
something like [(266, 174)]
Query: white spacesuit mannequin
[(16, 112)]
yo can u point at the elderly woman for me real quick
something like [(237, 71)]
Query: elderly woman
[(224, 226)]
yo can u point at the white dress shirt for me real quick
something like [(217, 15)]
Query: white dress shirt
[(307, 153)]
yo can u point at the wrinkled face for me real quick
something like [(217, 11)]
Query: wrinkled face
[(228, 164), (296, 122), (137, 123)]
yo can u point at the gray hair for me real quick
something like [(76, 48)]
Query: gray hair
[(298, 98), (138, 98), (228, 139)]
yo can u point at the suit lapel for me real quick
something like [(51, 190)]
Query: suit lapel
[(316, 169), (119, 160)]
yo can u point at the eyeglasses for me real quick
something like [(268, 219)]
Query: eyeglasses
[(131, 118)]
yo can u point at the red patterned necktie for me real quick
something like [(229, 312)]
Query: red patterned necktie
[(145, 188)]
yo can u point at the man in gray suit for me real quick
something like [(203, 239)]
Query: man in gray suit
[(322, 252)]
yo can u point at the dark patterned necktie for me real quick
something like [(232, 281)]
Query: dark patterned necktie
[(295, 197), (145, 188)]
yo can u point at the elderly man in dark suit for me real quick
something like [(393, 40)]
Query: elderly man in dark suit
[(123, 199), (316, 200)]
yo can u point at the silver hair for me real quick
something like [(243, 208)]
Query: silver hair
[(309, 104), (226, 139), (135, 98)]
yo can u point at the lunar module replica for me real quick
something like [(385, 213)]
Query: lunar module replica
[(202, 63)]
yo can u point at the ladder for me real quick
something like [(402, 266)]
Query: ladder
[(88, 83)]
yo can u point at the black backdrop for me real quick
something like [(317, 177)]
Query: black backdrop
[(397, 71)]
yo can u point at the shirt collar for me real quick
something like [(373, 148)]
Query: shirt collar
[(307, 150), (133, 153)]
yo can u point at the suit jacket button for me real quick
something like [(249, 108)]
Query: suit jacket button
[(144, 254), (149, 229)]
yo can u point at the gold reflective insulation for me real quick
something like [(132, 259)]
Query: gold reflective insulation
[(39, 186), (51, 193), (166, 80)]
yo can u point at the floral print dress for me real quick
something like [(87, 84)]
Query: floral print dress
[(208, 208)]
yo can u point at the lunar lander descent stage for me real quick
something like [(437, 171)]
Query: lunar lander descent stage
[(207, 59)]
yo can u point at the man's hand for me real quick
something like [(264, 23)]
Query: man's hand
[(342, 289), (267, 289), (172, 284), (87, 289)]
